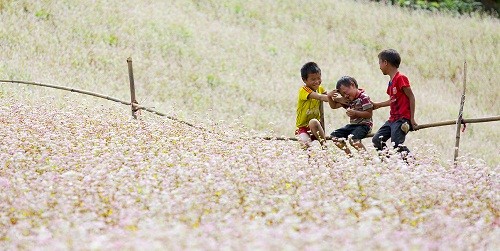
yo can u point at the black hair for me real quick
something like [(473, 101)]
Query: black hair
[(391, 56), (346, 81), (309, 68)]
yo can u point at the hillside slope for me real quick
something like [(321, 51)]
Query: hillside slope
[(92, 178), (239, 60)]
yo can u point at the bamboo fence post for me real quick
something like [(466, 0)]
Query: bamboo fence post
[(322, 115), (133, 101), (460, 116)]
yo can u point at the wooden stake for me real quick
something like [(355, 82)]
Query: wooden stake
[(322, 115), (132, 88), (460, 116)]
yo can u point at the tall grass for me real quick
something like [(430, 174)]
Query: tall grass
[(239, 61)]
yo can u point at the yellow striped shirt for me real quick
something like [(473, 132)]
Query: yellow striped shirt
[(307, 109)]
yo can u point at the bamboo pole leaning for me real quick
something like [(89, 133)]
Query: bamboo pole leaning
[(98, 95), (66, 89)]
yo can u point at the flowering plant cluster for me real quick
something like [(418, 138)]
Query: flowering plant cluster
[(93, 178)]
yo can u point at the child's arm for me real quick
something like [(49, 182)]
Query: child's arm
[(332, 99), (359, 114), (409, 93), (315, 95), (343, 101), (381, 104), (333, 103)]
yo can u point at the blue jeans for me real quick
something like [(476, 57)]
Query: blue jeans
[(391, 130)]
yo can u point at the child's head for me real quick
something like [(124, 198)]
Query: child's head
[(311, 75), (388, 58), (347, 87)]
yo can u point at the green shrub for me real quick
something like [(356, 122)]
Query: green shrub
[(42, 14), (454, 6)]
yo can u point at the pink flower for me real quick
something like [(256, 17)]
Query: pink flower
[(4, 182)]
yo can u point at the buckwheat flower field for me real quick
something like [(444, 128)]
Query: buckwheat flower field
[(94, 178), (79, 173)]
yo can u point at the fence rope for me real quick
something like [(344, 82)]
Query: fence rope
[(148, 109)]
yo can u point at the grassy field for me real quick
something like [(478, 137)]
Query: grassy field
[(77, 172), (239, 61)]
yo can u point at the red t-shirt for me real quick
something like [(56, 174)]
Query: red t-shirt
[(400, 103)]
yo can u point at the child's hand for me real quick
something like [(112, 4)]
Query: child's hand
[(342, 100), (333, 94), (414, 124), (351, 113)]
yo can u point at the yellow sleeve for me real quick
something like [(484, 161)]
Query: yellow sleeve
[(304, 92)]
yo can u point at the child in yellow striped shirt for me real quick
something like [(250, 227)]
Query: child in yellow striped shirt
[(308, 126)]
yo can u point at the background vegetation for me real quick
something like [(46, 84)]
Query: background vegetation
[(238, 61), (454, 6)]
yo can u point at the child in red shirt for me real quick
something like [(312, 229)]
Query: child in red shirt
[(401, 101)]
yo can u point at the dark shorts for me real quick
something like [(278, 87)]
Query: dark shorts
[(391, 130), (357, 131)]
